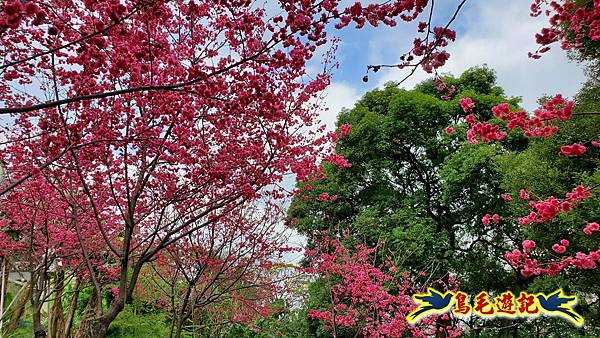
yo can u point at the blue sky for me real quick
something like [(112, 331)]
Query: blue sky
[(498, 33)]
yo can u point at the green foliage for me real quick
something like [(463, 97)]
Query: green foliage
[(410, 184), (291, 325), (23, 331), (129, 325), (418, 190)]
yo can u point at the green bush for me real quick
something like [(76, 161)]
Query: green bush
[(129, 325)]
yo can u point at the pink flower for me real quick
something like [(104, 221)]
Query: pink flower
[(528, 219), (528, 245), (596, 144), (506, 197), (545, 210), (579, 193), (345, 129), (486, 219), (449, 130), (470, 119), (573, 150), (333, 137), (590, 228), (466, 104), (502, 111), (337, 160), (496, 218), (484, 132), (564, 242), (559, 249), (523, 194), (323, 197), (514, 257)]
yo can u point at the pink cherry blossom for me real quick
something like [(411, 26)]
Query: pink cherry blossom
[(573, 150), (467, 104)]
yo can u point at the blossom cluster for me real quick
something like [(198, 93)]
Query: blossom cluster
[(445, 91), (538, 125), (546, 210), (529, 266), (374, 300), (570, 23)]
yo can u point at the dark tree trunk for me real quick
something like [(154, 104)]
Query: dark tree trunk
[(184, 313), (97, 327), (37, 285), (100, 328)]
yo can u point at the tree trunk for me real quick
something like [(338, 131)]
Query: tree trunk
[(178, 329), (71, 313), (57, 316), (36, 304), (99, 329), (93, 326), (103, 323), (184, 314), (86, 327), (17, 311)]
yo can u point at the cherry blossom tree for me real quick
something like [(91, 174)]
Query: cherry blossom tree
[(370, 299), (134, 125), (224, 270)]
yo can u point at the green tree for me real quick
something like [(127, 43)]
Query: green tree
[(423, 192), (416, 188)]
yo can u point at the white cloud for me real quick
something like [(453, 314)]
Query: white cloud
[(336, 97), (499, 33)]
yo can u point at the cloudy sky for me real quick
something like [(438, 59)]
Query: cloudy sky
[(497, 33)]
